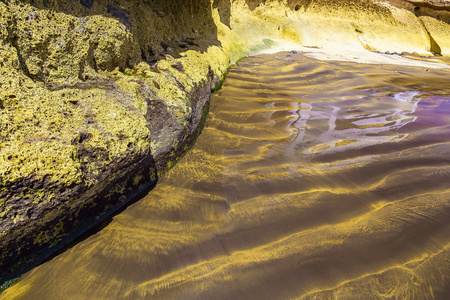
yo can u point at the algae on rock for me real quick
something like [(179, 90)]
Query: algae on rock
[(80, 137)]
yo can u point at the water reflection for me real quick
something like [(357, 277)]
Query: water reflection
[(372, 118), (311, 180)]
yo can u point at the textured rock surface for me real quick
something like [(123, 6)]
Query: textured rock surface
[(98, 96), (87, 115)]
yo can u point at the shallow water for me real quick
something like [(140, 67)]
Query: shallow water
[(310, 179)]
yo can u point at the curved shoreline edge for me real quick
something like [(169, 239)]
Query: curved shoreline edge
[(98, 98)]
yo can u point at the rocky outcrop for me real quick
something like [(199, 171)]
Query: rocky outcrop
[(434, 18), (98, 97)]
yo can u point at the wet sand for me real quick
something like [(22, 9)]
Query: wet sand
[(311, 180)]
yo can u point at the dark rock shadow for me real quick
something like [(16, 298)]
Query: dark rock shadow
[(224, 9), (76, 220)]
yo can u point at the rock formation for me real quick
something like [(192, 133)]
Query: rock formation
[(99, 97)]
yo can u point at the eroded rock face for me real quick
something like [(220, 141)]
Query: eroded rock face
[(97, 96), (434, 18), (87, 116)]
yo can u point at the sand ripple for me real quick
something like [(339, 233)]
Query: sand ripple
[(311, 180)]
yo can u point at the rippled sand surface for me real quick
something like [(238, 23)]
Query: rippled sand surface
[(311, 180)]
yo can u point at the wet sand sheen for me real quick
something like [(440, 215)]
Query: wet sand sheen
[(311, 179)]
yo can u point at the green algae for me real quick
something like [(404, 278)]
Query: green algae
[(8, 283)]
